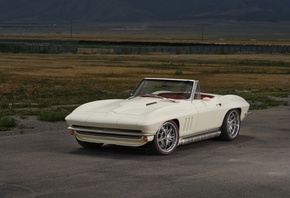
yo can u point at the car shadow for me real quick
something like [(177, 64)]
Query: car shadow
[(107, 150), (121, 152)]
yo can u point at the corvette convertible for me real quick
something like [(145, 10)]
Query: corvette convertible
[(161, 114)]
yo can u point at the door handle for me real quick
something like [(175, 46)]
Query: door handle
[(219, 104)]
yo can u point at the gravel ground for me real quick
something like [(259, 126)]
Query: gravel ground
[(30, 124)]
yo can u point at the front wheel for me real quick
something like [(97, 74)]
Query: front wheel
[(231, 125), (165, 140)]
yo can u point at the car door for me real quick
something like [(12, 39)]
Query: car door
[(210, 114)]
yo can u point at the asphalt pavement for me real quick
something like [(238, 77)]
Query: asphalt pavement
[(51, 164)]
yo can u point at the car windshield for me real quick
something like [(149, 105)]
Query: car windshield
[(174, 89)]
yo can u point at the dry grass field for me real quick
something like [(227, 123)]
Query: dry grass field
[(33, 82)]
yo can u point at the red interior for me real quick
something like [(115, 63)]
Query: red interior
[(205, 95)]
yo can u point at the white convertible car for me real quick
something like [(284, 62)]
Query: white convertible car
[(161, 113)]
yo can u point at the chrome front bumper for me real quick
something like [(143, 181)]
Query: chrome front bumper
[(111, 136)]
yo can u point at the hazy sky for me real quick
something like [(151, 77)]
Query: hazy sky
[(140, 10)]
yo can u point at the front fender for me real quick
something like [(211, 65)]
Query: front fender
[(235, 102)]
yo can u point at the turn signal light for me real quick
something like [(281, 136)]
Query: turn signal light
[(71, 132), (145, 139)]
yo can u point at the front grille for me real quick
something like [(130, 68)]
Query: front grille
[(109, 135), (105, 132)]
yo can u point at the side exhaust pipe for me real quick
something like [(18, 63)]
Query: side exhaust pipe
[(198, 138)]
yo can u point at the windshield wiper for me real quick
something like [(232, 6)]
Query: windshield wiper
[(158, 96)]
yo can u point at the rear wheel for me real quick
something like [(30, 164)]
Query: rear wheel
[(231, 125), (165, 140), (89, 145)]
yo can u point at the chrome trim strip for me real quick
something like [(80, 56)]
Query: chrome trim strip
[(100, 131), (201, 133), (198, 138)]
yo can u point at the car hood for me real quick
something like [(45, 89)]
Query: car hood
[(135, 107)]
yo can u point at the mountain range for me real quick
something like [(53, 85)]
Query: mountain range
[(90, 11)]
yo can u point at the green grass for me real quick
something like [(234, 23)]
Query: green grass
[(51, 116), (262, 100), (7, 122)]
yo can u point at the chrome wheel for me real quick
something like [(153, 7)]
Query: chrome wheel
[(231, 125), (166, 139)]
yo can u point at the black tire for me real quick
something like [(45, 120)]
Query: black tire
[(165, 140), (231, 125), (89, 145)]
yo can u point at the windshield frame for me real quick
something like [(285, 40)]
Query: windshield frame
[(138, 90)]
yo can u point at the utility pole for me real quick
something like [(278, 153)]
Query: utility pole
[(71, 28), (202, 32)]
